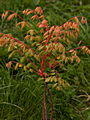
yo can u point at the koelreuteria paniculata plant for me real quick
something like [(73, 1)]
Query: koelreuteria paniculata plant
[(44, 48)]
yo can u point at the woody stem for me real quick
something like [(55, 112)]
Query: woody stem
[(51, 103), (44, 103)]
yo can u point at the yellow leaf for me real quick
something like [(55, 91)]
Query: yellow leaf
[(20, 65), (16, 66), (58, 57), (55, 85), (53, 73), (54, 79), (48, 79), (31, 70), (58, 88), (11, 54), (25, 68)]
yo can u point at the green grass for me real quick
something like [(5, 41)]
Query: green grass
[(20, 97), (21, 94)]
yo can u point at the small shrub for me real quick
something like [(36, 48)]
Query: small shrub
[(45, 50)]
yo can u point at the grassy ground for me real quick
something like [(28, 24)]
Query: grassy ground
[(20, 97), (21, 94)]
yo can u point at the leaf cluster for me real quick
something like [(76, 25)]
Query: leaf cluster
[(44, 46)]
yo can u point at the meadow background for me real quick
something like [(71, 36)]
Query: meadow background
[(21, 94)]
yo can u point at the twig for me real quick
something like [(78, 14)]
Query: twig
[(77, 48)]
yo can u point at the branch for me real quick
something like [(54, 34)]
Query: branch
[(18, 41), (77, 48), (28, 60), (73, 18), (23, 65)]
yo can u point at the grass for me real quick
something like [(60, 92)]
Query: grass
[(20, 97), (21, 94)]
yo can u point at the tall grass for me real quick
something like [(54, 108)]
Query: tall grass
[(20, 97), (21, 94)]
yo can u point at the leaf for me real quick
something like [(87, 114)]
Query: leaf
[(22, 60), (25, 68), (48, 79), (54, 79), (28, 65), (20, 65), (12, 16), (16, 66), (53, 73), (8, 65), (4, 15), (23, 24), (11, 54)]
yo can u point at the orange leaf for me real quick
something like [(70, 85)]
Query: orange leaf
[(12, 16)]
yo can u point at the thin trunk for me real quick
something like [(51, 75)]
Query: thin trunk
[(44, 103), (51, 103)]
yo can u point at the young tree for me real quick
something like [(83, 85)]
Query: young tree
[(44, 49)]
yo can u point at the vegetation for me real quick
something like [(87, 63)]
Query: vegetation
[(41, 54)]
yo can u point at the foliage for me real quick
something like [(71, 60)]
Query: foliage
[(20, 92), (45, 48), (68, 104)]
